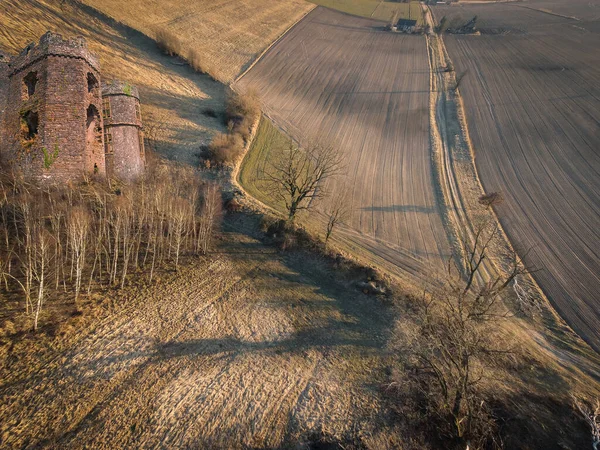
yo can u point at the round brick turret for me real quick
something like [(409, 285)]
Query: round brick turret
[(4, 69), (52, 125), (123, 136)]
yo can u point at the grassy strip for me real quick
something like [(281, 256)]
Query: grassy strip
[(375, 9), (264, 151)]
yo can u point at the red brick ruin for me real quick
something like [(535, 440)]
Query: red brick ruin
[(58, 122)]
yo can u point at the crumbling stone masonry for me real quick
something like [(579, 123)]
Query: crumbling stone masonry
[(123, 136), (51, 104)]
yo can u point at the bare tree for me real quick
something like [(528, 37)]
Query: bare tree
[(491, 199), (590, 412), (128, 241), (209, 215), (338, 211), (100, 233), (41, 245), (25, 240), (454, 336), (296, 177), (179, 228), (78, 230)]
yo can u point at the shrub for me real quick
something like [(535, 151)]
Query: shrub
[(168, 42), (491, 199), (241, 111), (199, 63), (225, 148), (209, 112)]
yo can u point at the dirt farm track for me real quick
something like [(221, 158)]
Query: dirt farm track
[(532, 98), (344, 79)]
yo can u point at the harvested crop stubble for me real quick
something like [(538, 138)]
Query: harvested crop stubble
[(341, 79), (376, 9), (225, 35), (533, 106)]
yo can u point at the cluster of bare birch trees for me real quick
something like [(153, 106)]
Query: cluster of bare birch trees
[(70, 239)]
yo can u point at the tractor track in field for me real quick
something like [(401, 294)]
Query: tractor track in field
[(461, 188), (531, 99)]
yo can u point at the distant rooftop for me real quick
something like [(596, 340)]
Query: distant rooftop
[(406, 23)]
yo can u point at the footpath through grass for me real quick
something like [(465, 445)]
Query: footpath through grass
[(376, 9)]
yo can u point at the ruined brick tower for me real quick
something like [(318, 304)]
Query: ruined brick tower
[(51, 109), (51, 126), (123, 137)]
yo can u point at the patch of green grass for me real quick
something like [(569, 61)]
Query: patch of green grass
[(376, 9), (266, 148)]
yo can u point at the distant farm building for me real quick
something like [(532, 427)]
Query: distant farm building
[(406, 25), (51, 114)]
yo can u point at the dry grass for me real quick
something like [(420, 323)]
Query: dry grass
[(244, 348), (226, 35), (167, 90), (376, 9), (168, 42)]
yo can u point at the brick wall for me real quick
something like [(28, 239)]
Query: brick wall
[(3, 98), (67, 144), (124, 124), (51, 114)]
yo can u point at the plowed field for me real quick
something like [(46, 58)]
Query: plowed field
[(342, 79), (532, 99)]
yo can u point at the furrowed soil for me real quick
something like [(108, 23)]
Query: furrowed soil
[(533, 107), (228, 35), (169, 90), (342, 79), (243, 348)]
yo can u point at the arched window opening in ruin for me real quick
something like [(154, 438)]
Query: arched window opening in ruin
[(94, 131), (106, 107), (108, 146), (92, 82), (30, 82), (30, 122), (138, 113)]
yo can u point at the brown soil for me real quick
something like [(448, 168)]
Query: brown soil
[(343, 79), (532, 103), (245, 347)]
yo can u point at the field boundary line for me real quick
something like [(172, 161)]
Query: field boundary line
[(547, 11), (451, 186), (235, 172), (376, 8), (270, 46)]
